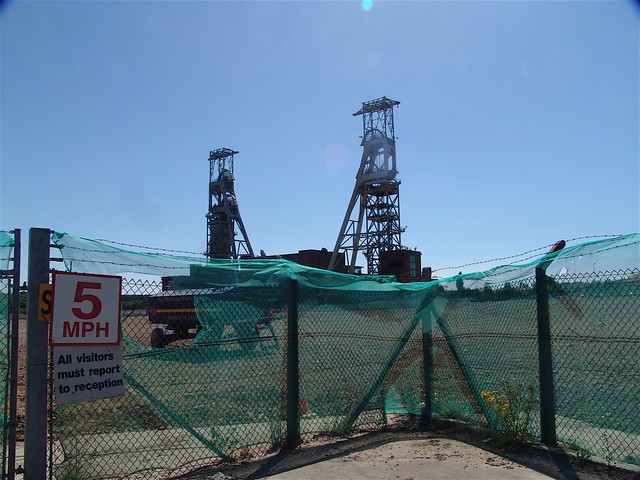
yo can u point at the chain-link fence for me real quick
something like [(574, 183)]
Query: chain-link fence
[(233, 359), (354, 345), (204, 381), (596, 335), (5, 306), (485, 339), (9, 312), (206, 373)]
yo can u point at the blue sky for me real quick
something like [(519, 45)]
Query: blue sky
[(518, 123)]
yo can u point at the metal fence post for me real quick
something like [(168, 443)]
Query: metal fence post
[(547, 391), (427, 368), (35, 436), (13, 369), (293, 370)]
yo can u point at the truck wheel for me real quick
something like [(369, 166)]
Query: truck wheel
[(158, 338)]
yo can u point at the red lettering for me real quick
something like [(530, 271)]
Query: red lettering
[(87, 327), (82, 296), (70, 329), (104, 329)]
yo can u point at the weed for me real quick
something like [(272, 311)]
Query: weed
[(608, 449), (275, 434), (632, 460), (512, 405), (71, 472), (582, 455)]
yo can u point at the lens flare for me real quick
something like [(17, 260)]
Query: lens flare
[(367, 5)]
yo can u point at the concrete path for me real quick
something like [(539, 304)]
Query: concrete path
[(440, 459)]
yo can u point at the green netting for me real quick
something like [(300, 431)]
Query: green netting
[(490, 329), (6, 253), (360, 342), (206, 362), (6, 249), (596, 334), (489, 339), (218, 390)]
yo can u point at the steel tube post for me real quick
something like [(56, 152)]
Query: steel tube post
[(547, 391), (35, 436), (13, 379), (293, 370)]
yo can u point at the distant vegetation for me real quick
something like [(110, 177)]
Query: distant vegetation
[(134, 302)]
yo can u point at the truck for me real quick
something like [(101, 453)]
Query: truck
[(222, 314)]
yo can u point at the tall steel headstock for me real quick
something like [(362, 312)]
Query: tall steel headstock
[(372, 221), (223, 216)]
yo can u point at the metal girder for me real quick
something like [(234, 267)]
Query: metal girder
[(223, 216), (372, 222)]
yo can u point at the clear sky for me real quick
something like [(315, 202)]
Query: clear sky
[(518, 123)]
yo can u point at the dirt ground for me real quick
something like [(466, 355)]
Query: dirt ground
[(406, 451)]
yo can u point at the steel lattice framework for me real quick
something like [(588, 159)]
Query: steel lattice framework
[(224, 214), (372, 222)]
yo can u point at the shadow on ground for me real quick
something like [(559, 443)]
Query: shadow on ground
[(555, 463)]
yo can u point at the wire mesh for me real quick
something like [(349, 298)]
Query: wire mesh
[(210, 389), (5, 302), (596, 335), (352, 344), (486, 339), (6, 297), (205, 359)]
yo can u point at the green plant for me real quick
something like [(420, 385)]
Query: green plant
[(223, 442), (582, 455), (276, 427), (453, 409), (512, 405), (71, 472), (275, 436), (632, 460), (607, 446)]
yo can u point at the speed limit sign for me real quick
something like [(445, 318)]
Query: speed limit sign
[(85, 309)]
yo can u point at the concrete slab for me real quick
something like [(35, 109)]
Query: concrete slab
[(414, 459)]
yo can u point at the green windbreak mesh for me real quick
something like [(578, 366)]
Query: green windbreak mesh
[(596, 334), (6, 249), (489, 335), (6, 253), (206, 359)]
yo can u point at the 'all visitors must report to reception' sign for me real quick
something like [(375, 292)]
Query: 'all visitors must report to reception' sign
[(87, 373), (85, 336)]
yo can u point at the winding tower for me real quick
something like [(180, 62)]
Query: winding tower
[(372, 222), (224, 214)]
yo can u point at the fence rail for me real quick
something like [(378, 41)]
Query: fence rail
[(235, 359)]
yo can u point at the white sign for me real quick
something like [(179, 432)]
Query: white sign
[(87, 373), (85, 310)]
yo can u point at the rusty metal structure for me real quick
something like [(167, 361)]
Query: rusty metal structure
[(372, 222), (223, 241)]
